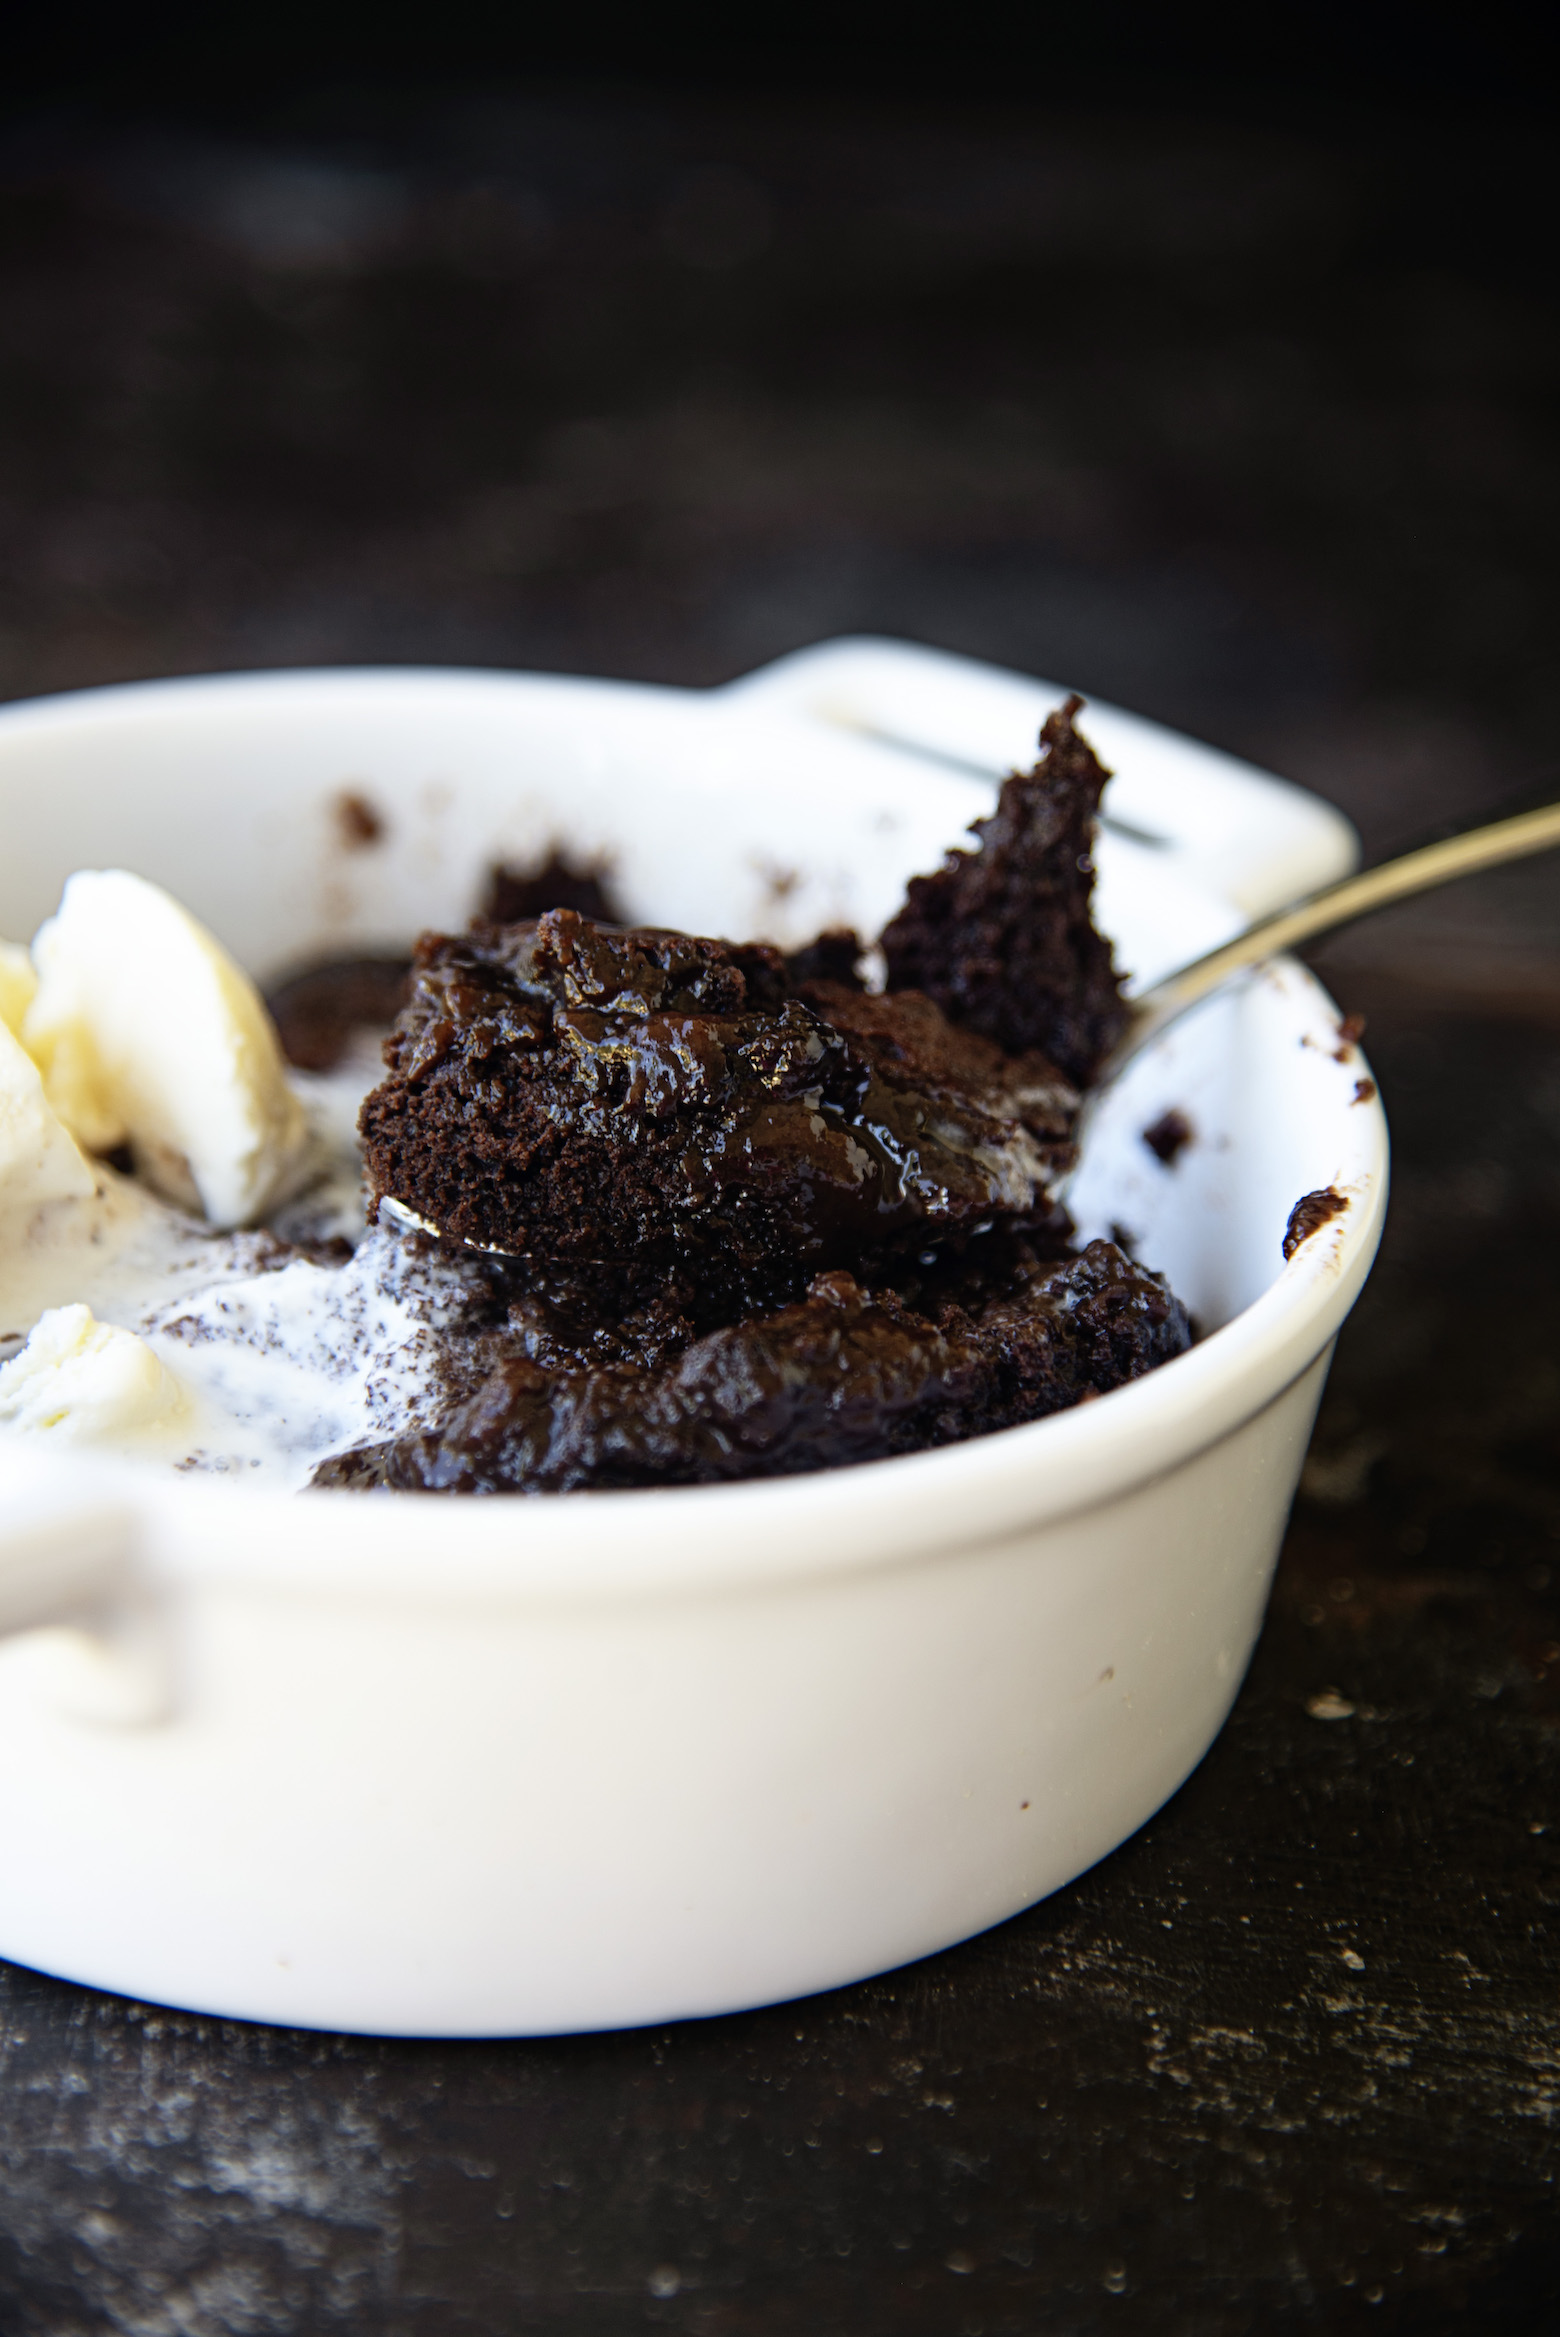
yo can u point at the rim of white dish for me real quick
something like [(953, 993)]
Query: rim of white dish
[(749, 1536), (154, 698)]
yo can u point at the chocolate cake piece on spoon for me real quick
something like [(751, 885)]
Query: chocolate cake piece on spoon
[(571, 1091)]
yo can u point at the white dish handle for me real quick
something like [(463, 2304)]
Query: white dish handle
[(69, 1568), (62, 1557), (1235, 830)]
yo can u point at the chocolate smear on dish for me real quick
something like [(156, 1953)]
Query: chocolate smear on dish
[(1310, 1213)]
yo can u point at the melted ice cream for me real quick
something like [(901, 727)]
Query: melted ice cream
[(277, 1359)]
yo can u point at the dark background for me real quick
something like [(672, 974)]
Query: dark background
[(1214, 376)]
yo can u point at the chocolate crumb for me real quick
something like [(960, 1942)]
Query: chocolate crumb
[(1310, 1213), (830, 958), (516, 895), (1169, 1136), (359, 822), (779, 883), (1350, 1032), (1364, 1091)]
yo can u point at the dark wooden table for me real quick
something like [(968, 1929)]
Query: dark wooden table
[(1244, 427)]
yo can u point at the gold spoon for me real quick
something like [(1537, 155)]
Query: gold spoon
[(1488, 846)]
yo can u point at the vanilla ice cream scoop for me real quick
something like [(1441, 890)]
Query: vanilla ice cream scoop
[(148, 1034), (38, 1160), (80, 1380)]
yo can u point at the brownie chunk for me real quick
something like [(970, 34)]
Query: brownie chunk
[(1001, 938), (830, 957), (517, 894), (580, 1092), (847, 1374), (1168, 1136)]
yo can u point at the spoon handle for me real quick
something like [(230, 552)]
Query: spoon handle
[(1338, 904)]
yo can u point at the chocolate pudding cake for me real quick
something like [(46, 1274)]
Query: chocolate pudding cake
[(728, 1213), (611, 1205)]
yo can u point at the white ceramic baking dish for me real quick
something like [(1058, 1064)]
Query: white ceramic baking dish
[(443, 1767)]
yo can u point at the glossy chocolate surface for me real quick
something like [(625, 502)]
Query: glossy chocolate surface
[(846, 1375), (576, 1091)]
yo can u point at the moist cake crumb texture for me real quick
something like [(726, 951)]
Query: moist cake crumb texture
[(1002, 938), (572, 1091)]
